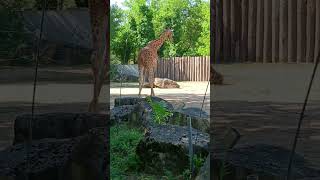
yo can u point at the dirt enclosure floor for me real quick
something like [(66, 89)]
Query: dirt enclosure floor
[(69, 89), (263, 102)]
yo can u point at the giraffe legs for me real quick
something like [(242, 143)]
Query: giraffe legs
[(141, 79), (151, 80)]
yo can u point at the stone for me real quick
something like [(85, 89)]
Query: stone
[(167, 146), (59, 159), (215, 76), (57, 125), (180, 118), (124, 113), (127, 101), (126, 73), (267, 161), (164, 83)]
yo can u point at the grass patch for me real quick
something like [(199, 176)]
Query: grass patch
[(125, 164)]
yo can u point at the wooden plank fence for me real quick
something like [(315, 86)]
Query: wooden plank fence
[(184, 68), (266, 31)]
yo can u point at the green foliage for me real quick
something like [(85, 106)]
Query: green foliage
[(160, 112), (123, 142), (224, 170), (144, 20), (198, 161)]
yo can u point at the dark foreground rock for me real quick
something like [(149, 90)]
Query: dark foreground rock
[(166, 146), (57, 125), (164, 83), (84, 158), (267, 161)]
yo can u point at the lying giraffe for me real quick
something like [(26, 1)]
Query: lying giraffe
[(147, 59)]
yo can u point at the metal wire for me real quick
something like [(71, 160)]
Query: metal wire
[(301, 118), (29, 143)]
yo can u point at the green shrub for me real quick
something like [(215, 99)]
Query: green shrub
[(160, 112)]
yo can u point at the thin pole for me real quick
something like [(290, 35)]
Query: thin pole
[(301, 118), (29, 144)]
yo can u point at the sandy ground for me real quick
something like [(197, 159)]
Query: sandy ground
[(69, 89), (263, 102)]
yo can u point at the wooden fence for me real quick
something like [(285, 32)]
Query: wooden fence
[(184, 68), (266, 31)]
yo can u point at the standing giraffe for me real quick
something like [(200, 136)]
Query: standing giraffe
[(99, 12), (147, 59)]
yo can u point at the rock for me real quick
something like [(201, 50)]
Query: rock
[(127, 101), (164, 83), (124, 113), (126, 73), (180, 118), (136, 100), (204, 173), (59, 159), (57, 125), (167, 146), (215, 77), (267, 161)]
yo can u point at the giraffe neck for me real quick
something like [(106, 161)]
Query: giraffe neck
[(156, 44)]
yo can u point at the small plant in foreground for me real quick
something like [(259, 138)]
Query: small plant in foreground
[(160, 112)]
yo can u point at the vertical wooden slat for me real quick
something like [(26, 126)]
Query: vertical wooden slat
[(310, 29), (244, 30), (259, 33), (238, 29), (219, 32), (283, 36), (232, 29), (252, 30), (275, 30), (292, 30), (267, 34), (197, 68), (172, 68), (317, 32), (208, 68), (301, 30), (226, 30)]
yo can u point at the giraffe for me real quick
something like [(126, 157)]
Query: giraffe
[(147, 59), (99, 12)]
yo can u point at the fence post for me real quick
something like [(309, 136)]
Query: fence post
[(267, 31), (275, 30), (283, 36), (292, 31)]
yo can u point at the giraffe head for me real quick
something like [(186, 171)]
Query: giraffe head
[(168, 34)]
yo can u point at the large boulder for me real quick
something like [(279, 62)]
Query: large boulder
[(166, 147), (57, 125), (200, 122), (164, 83), (126, 73), (81, 158), (267, 161)]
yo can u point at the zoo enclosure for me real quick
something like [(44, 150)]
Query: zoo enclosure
[(265, 31), (184, 68)]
